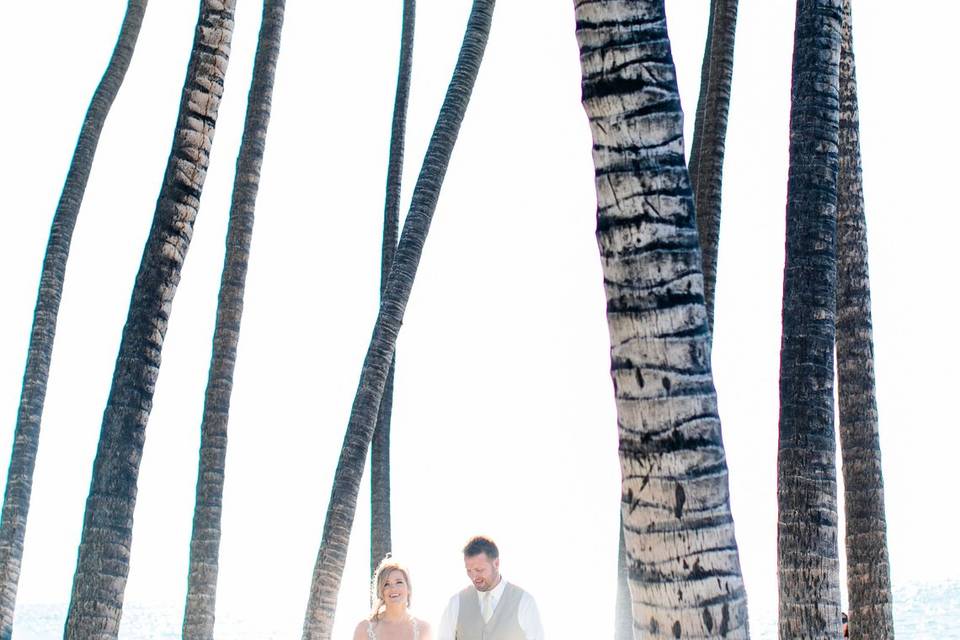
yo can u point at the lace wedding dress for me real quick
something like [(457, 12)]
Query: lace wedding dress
[(372, 635)]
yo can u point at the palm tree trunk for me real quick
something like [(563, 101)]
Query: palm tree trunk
[(806, 462), (868, 564), (706, 176), (623, 614), (104, 554), (709, 136), (198, 620), (380, 539), (328, 570), (685, 578), (380, 532), (16, 501)]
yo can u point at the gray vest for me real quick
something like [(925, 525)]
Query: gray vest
[(503, 625)]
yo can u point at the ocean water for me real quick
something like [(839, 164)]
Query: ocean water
[(922, 611), (158, 622)]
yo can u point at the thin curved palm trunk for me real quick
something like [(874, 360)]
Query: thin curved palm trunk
[(709, 138), (16, 501), (868, 564), (684, 575), (808, 566), (318, 621), (103, 557), (380, 538), (200, 610)]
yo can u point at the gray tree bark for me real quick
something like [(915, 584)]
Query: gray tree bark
[(808, 566), (103, 559), (380, 538), (26, 439), (684, 576), (200, 608), (706, 177), (328, 570), (623, 614), (868, 564), (709, 139)]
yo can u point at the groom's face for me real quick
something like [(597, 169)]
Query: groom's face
[(483, 572)]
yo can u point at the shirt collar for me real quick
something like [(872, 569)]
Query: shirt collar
[(497, 591)]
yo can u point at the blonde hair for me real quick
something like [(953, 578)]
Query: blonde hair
[(383, 571)]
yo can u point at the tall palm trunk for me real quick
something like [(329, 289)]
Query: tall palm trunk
[(709, 137), (806, 462), (198, 620), (380, 542), (318, 621), (868, 564), (706, 177), (623, 612), (104, 554), (16, 500), (685, 578)]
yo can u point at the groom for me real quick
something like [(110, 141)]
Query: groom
[(491, 609)]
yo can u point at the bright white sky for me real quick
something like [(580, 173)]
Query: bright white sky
[(504, 417)]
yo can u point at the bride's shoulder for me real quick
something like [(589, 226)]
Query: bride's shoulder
[(362, 632), (423, 629)]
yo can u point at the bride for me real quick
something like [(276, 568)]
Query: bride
[(390, 619)]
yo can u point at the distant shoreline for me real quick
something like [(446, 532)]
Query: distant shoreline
[(921, 609)]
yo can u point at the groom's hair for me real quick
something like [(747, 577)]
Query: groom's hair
[(481, 544)]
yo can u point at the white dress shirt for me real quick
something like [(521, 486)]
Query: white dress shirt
[(528, 615)]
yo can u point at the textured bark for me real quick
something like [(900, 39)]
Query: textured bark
[(868, 564), (380, 538), (623, 616), (685, 578), (16, 501), (103, 557), (706, 176), (200, 609), (380, 533), (709, 136), (318, 621), (808, 567)]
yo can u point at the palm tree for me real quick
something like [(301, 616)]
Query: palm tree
[(328, 570), (380, 543), (706, 176), (709, 136), (806, 459), (868, 564), (104, 554), (623, 612), (198, 620), (16, 500), (685, 578)]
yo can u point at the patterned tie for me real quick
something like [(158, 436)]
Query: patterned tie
[(486, 609)]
